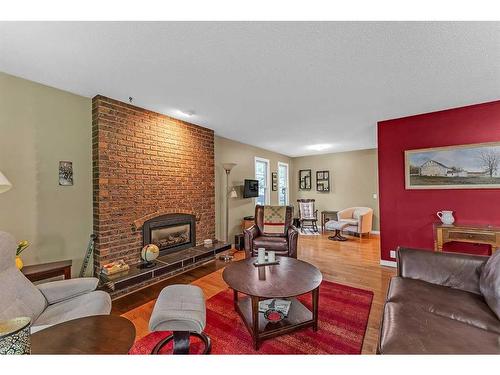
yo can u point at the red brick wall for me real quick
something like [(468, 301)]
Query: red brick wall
[(146, 164)]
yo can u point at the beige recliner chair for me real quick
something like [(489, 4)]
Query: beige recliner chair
[(360, 220), (46, 304)]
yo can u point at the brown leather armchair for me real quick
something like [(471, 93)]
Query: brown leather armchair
[(283, 244), (436, 305)]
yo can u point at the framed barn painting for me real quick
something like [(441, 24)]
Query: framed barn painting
[(474, 166)]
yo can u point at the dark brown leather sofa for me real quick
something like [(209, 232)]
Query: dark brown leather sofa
[(283, 244), (435, 306)]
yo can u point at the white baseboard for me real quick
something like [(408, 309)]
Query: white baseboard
[(388, 263), (371, 232)]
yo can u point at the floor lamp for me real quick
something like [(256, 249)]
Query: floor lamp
[(227, 167), (4, 183)]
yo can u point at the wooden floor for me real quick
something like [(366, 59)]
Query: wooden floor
[(354, 263)]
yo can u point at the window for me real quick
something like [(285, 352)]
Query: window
[(282, 184), (262, 175)]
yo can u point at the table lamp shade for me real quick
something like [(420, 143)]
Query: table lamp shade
[(4, 183), (15, 336)]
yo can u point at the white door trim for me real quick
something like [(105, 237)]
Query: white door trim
[(388, 263), (268, 177), (287, 202)]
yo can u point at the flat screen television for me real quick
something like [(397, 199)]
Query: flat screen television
[(251, 189)]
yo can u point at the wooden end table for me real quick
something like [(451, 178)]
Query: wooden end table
[(99, 334), (288, 279), (44, 271)]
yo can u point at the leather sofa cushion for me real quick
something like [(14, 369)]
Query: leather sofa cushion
[(489, 283), (409, 331), (271, 243), (458, 271), (453, 304)]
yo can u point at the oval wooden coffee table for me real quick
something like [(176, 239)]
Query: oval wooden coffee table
[(288, 279), (99, 334)]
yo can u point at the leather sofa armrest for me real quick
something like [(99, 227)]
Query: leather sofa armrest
[(292, 236), (457, 271), (250, 234), (61, 290)]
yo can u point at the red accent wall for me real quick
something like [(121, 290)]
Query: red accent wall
[(406, 216)]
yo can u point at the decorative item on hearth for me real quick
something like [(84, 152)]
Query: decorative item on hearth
[(148, 254), (21, 246), (115, 267), (4, 183), (15, 336)]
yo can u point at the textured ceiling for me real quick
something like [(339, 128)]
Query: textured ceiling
[(282, 86)]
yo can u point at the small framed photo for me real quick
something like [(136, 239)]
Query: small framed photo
[(66, 173), (323, 181), (305, 179), (275, 181)]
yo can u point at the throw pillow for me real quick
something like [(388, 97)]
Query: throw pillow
[(489, 283)]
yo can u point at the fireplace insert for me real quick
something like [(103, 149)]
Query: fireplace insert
[(172, 232)]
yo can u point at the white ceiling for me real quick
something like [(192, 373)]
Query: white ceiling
[(281, 86)]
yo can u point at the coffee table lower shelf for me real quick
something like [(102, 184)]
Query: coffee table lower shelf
[(299, 317)]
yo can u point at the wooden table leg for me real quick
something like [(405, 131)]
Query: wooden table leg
[(235, 298), (255, 322), (67, 273), (315, 304)]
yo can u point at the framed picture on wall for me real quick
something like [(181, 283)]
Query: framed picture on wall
[(66, 173), (305, 179), (472, 166), (274, 181), (323, 181)]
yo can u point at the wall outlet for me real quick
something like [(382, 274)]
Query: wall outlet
[(393, 254), (374, 195)]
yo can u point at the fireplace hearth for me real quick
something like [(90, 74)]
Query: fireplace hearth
[(171, 233)]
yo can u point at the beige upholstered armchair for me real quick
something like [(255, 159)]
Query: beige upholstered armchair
[(46, 304), (359, 219)]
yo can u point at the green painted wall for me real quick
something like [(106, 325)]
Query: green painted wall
[(39, 126)]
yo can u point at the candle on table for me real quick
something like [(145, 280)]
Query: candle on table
[(261, 255), (271, 257)]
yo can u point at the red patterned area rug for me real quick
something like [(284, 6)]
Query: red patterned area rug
[(343, 317)]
